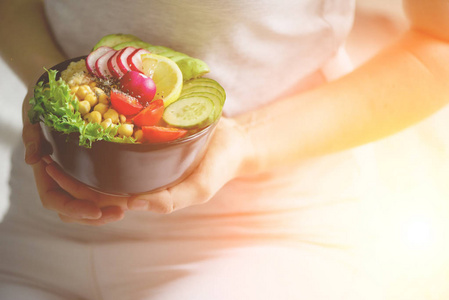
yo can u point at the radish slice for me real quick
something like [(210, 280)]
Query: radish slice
[(113, 66), (122, 59), (101, 66), (93, 57), (135, 60)]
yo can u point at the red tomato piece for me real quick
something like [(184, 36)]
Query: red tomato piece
[(158, 134), (151, 114), (125, 104)]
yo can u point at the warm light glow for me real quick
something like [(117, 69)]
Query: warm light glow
[(406, 241), (419, 233)]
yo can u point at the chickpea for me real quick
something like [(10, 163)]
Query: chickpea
[(111, 114), (93, 117), (97, 91), (102, 97), (126, 130), (138, 135), (122, 119), (83, 91), (74, 89), (101, 108), (106, 123), (84, 107), (92, 99), (92, 84)]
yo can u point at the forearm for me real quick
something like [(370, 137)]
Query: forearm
[(27, 45), (399, 87)]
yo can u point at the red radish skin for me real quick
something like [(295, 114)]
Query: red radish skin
[(122, 59), (101, 66), (135, 61), (94, 56), (139, 86), (113, 66)]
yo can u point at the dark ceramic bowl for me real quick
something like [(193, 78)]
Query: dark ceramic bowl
[(126, 169)]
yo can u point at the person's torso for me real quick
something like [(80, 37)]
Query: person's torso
[(258, 50)]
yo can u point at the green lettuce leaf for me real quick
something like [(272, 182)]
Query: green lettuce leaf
[(56, 107)]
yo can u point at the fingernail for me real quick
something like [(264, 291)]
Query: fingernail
[(30, 150), (91, 215), (139, 205), (47, 159), (75, 210)]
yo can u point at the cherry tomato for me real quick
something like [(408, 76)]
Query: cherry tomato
[(125, 104), (158, 134), (151, 114)]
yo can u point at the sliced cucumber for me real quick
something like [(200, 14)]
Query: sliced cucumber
[(216, 100), (205, 85), (203, 89), (190, 112)]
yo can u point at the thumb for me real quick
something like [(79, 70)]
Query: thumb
[(31, 136)]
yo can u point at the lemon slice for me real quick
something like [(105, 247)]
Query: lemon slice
[(166, 75)]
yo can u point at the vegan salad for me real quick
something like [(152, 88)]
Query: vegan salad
[(128, 91)]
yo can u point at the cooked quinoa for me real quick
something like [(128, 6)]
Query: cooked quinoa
[(76, 74)]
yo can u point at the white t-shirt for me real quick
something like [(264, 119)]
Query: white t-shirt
[(258, 50)]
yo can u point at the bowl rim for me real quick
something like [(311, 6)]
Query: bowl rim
[(144, 146), (74, 137)]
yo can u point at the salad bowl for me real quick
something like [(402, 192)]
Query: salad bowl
[(125, 169)]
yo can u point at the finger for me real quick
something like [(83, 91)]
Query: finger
[(47, 159), (197, 188), (31, 136), (65, 204), (56, 199), (67, 183), (160, 202), (82, 191), (191, 191), (109, 214), (35, 144)]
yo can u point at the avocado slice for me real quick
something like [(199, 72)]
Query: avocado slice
[(135, 44), (111, 40), (192, 68)]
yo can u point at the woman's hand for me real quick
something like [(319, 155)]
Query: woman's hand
[(72, 200), (228, 155)]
